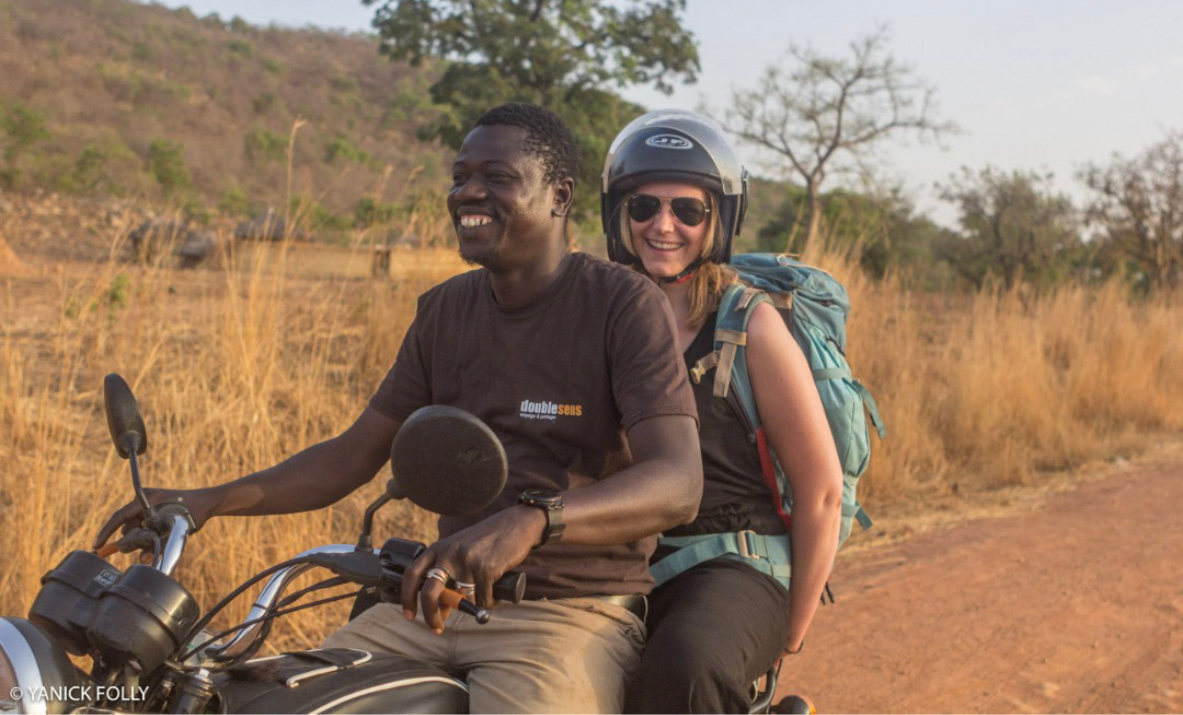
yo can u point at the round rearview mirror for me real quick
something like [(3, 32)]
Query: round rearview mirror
[(447, 461)]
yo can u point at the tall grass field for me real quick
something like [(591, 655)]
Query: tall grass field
[(240, 365)]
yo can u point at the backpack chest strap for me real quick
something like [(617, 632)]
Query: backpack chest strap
[(769, 554)]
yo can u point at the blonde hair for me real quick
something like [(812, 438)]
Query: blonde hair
[(710, 280)]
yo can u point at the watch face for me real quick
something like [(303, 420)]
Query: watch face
[(540, 496)]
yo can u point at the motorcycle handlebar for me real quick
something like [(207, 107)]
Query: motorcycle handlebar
[(179, 525)]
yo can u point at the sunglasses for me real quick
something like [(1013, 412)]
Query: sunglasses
[(690, 211)]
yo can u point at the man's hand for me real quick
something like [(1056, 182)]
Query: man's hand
[(480, 554), (200, 503)]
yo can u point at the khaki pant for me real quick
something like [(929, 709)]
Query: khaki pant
[(569, 655)]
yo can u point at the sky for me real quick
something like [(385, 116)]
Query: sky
[(1044, 86)]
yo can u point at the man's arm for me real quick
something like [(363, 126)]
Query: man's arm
[(660, 490), (320, 475)]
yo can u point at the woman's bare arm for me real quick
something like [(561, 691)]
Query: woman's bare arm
[(796, 426)]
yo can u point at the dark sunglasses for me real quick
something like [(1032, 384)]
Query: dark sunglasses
[(690, 211)]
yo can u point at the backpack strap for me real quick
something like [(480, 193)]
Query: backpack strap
[(768, 554), (731, 339)]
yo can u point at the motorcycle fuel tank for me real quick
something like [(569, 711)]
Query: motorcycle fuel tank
[(340, 680)]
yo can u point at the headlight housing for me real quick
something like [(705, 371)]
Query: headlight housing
[(32, 664)]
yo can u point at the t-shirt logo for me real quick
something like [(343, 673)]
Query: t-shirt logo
[(547, 410)]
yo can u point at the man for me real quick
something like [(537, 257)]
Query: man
[(536, 327)]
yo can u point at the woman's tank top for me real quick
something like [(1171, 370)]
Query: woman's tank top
[(734, 495)]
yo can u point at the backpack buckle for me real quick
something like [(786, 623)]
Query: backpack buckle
[(743, 541)]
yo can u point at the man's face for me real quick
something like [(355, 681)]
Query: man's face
[(501, 205)]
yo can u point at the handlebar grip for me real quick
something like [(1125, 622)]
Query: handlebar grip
[(453, 599), (510, 587)]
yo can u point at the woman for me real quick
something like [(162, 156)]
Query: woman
[(673, 198)]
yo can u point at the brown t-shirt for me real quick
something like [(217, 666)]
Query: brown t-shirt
[(559, 380)]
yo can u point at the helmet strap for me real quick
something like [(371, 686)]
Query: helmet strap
[(686, 274)]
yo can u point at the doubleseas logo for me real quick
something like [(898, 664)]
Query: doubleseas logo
[(548, 410)]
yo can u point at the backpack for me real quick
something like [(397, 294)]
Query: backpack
[(814, 306)]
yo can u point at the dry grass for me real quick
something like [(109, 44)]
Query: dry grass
[(234, 371), (237, 369), (987, 390)]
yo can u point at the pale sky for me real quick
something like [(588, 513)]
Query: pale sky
[(1045, 86)]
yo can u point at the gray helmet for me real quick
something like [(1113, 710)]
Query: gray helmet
[(673, 145)]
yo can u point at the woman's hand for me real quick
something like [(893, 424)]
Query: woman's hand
[(480, 555)]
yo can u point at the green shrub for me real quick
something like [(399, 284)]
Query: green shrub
[(167, 166), (343, 83), (311, 214), (241, 48), (368, 212), (88, 169), (23, 127), (260, 144), (263, 102), (272, 65), (341, 148), (235, 202)]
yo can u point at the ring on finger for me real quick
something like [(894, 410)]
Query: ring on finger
[(466, 588), (437, 574)]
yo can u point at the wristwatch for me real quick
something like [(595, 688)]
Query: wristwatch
[(551, 502)]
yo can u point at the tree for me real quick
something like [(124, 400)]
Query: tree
[(1012, 224), (1139, 206), (23, 127), (167, 165), (562, 54), (826, 115), (883, 226)]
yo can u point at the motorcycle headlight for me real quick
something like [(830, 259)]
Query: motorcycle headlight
[(35, 669)]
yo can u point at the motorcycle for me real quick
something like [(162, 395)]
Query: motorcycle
[(148, 639)]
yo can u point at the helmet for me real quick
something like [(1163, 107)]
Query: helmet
[(673, 145)]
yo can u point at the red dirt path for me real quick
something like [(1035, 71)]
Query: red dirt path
[(1075, 607)]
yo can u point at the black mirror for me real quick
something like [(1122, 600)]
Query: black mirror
[(123, 417), (447, 461)]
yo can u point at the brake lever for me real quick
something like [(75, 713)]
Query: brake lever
[(138, 539)]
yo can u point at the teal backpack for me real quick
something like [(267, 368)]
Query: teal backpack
[(814, 306)]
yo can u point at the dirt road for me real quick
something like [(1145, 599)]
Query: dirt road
[(1076, 607)]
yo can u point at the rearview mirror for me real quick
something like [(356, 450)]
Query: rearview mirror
[(123, 417), (447, 461)]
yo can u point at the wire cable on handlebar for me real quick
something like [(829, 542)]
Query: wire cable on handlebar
[(196, 629), (318, 586), (269, 618)]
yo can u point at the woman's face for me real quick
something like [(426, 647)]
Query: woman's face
[(663, 242)]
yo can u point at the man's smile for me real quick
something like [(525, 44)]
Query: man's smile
[(474, 220)]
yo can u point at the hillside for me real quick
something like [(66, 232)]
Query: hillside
[(159, 107), (113, 97)]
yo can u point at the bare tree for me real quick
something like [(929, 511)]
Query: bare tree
[(1139, 206), (826, 115)]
